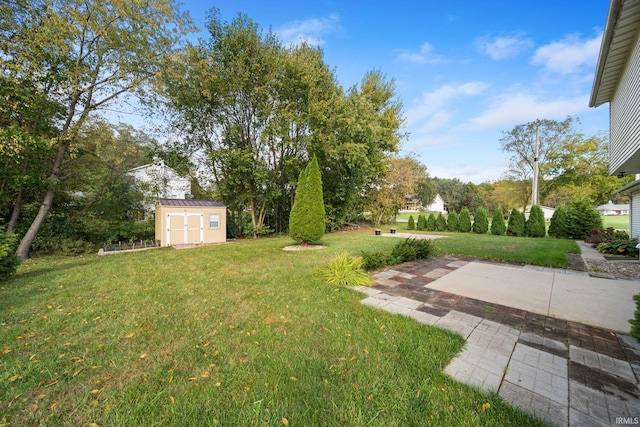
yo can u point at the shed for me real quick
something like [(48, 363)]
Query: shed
[(189, 221)]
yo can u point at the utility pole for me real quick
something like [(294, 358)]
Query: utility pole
[(534, 186)]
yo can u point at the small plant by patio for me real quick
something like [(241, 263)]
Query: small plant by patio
[(374, 260), (411, 249), (498, 227), (464, 221), (345, 269), (620, 247), (452, 221), (411, 224)]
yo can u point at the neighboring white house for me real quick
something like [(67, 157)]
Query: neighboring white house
[(546, 211), (158, 181), (436, 206), (617, 81), (413, 205), (611, 208)]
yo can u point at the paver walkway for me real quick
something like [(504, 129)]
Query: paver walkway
[(564, 372)]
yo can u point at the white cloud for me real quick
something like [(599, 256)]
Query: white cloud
[(423, 56), (568, 55), (503, 47), (516, 108), (434, 102), (311, 30)]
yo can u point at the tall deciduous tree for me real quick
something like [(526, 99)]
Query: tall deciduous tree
[(520, 144), (84, 54)]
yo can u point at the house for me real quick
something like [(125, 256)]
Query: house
[(412, 204), (157, 180), (189, 221), (617, 81), (610, 208)]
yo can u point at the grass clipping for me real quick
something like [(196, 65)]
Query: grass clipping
[(345, 269)]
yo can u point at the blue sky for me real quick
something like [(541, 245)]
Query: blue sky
[(465, 71)]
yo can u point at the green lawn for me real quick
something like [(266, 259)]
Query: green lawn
[(236, 334), (619, 222)]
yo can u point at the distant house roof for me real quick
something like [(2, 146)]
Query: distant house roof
[(189, 202), (612, 207)]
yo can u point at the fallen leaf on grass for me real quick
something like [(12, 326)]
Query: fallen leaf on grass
[(205, 374), (172, 400), (285, 422), (130, 335), (486, 406), (143, 355)]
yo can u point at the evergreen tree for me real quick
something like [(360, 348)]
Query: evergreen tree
[(535, 225), (431, 223), (498, 227), (581, 218), (306, 223), (422, 222), (480, 221), (558, 226), (452, 221), (411, 225), (464, 221), (516, 223), (441, 223)]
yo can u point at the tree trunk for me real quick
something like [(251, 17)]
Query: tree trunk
[(13, 221), (25, 244)]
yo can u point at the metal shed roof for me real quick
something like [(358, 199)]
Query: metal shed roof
[(190, 202), (623, 22)]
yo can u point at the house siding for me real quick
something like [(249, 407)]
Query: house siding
[(624, 144), (634, 220)]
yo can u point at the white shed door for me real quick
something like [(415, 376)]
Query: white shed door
[(185, 228)]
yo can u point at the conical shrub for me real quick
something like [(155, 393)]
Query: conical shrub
[(516, 223), (431, 223), (480, 221), (411, 224), (306, 222), (452, 221), (498, 227), (535, 226), (464, 221), (441, 223)]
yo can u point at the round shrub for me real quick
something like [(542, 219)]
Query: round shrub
[(516, 223), (411, 225), (498, 227), (581, 218), (535, 226), (452, 221), (480, 221), (558, 225), (464, 221)]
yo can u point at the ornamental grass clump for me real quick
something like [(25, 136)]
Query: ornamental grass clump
[(345, 270)]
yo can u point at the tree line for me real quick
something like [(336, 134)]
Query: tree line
[(244, 115)]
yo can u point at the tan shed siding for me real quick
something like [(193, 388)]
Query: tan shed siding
[(634, 220), (625, 115)]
